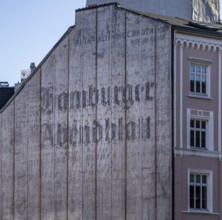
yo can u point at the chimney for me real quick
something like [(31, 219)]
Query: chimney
[(32, 67)]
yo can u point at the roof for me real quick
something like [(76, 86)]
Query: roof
[(177, 23), (11, 98), (182, 24)]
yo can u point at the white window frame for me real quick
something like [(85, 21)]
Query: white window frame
[(209, 174), (205, 116), (204, 63), (200, 130)]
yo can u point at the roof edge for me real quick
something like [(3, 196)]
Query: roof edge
[(93, 6), (38, 67)]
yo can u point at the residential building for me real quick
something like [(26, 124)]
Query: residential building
[(197, 121)]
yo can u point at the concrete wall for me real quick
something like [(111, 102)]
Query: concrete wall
[(89, 135)]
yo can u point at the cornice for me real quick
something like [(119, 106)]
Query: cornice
[(199, 43)]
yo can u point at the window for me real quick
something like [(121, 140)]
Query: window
[(198, 132), (199, 79), (200, 190)]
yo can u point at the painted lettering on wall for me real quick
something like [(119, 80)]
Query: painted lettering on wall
[(122, 96), (96, 131), (144, 33), (99, 131)]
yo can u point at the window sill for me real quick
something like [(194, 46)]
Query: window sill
[(198, 149), (199, 96), (200, 212)]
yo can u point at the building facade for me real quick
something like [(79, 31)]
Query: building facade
[(121, 120), (197, 136), (88, 134)]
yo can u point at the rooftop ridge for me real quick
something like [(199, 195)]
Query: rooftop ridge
[(98, 6)]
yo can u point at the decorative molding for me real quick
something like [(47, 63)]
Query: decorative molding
[(190, 95), (181, 96), (198, 212), (219, 103), (175, 95), (202, 61), (198, 43), (198, 153), (205, 115)]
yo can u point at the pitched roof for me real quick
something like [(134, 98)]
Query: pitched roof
[(177, 23), (182, 24)]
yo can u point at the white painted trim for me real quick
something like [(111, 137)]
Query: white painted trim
[(196, 96), (199, 212), (209, 189), (199, 42), (219, 103), (210, 127), (175, 95), (188, 128), (209, 81), (181, 96), (198, 153), (210, 136), (202, 61), (199, 39)]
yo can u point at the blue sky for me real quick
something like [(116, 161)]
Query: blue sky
[(29, 29)]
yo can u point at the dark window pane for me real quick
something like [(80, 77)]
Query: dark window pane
[(191, 196), (191, 178), (192, 138), (204, 88), (192, 81), (197, 124), (204, 197), (192, 86), (198, 197), (197, 138), (203, 139), (204, 179), (198, 83), (192, 123), (203, 124), (197, 178)]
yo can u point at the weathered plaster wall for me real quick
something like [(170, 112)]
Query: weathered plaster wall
[(89, 135)]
